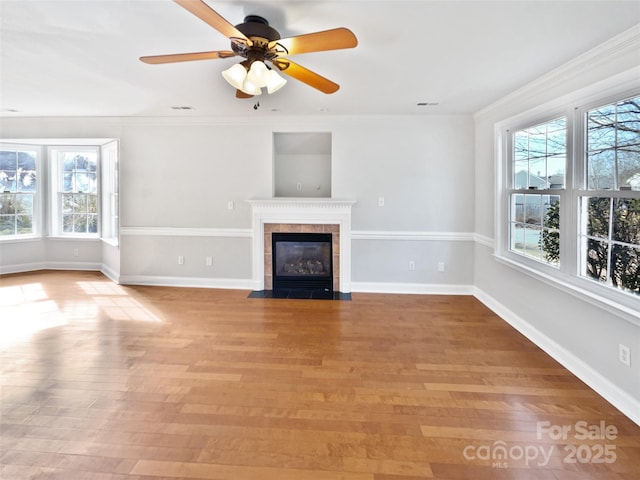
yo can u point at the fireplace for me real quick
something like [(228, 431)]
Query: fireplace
[(302, 265), (299, 215)]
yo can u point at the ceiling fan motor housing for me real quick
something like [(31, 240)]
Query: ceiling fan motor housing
[(256, 26), (256, 29)]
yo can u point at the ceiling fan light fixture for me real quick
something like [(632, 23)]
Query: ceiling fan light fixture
[(258, 74), (235, 75), (250, 88), (274, 81)]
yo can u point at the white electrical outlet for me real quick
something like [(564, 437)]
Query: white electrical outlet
[(624, 354), (208, 261), (230, 204), (441, 266), (299, 186), (412, 265), (381, 201), (180, 260), (76, 252)]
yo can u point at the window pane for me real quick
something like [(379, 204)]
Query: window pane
[(92, 204), (535, 221), (532, 209), (82, 182), (8, 160), (596, 260), (600, 170), (539, 156), (24, 224), (597, 221), (532, 244), (27, 160), (68, 164), (92, 223), (67, 203), (550, 244), (67, 223), (80, 223), (626, 220), (24, 204), (625, 262), (79, 203), (628, 122), (8, 180), (613, 143), (7, 225), (7, 204), (26, 181)]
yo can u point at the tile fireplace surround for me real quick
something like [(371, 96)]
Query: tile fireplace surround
[(301, 215)]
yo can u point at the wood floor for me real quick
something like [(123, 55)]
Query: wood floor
[(101, 381)]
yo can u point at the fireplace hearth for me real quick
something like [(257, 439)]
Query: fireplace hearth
[(302, 265)]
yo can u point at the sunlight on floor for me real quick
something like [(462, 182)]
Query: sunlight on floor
[(115, 302), (24, 310), (27, 309)]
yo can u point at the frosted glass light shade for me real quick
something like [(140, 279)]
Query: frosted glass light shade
[(235, 75), (250, 88), (258, 74), (274, 82)]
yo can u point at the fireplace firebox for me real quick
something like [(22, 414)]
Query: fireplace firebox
[(302, 265)]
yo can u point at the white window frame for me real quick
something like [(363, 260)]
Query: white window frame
[(110, 212), (55, 190), (41, 181), (567, 276)]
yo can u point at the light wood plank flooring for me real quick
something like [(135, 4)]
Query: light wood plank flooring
[(101, 381)]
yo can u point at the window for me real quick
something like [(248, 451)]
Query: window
[(75, 186), (60, 190), (609, 206), (571, 201), (18, 190), (538, 166)]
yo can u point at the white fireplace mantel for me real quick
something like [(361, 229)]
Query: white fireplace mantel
[(303, 211)]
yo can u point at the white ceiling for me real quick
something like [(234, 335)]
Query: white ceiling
[(80, 57)]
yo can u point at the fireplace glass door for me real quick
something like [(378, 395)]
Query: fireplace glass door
[(302, 263)]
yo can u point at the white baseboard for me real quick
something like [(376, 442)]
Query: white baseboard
[(619, 398), (110, 273), (35, 266), (412, 288), (197, 282), (22, 267)]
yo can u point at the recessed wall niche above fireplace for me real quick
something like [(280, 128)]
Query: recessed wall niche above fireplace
[(302, 164)]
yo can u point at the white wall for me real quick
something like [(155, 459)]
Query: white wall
[(579, 334), (178, 175)]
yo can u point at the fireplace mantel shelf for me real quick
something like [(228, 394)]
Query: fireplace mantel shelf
[(301, 203)]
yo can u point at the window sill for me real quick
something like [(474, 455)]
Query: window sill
[(21, 239), (625, 308), (110, 241), (74, 238)]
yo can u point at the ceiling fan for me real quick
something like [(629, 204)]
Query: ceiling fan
[(257, 43)]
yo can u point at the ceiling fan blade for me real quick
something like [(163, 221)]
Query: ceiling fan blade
[(334, 39), (305, 75), (206, 13), (241, 94), (186, 57)]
